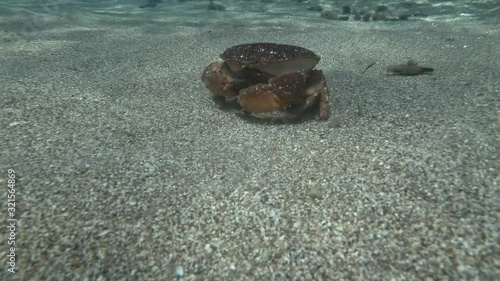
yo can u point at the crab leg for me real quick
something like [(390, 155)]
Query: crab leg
[(317, 88)]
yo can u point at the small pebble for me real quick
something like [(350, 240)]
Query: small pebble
[(367, 16), (179, 271), (357, 15), (379, 16), (315, 8), (216, 7), (381, 8), (346, 9), (403, 17), (208, 248), (331, 15)]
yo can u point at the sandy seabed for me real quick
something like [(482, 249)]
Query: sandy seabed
[(125, 171)]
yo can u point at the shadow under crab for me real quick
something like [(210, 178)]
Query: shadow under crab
[(268, 77)]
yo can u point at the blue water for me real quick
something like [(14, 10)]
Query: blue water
[(29, 16)]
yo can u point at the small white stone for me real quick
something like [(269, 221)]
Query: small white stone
[(16, 123), (103, 233), (208, 248), (179, 271)]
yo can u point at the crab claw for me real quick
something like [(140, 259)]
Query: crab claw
[(219, 79), (276, 95)]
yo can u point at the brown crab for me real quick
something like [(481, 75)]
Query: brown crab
[(267, 77)]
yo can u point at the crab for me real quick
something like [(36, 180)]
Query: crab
[(268, 77)]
